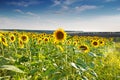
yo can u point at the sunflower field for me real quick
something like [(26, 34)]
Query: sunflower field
[(58, 56)]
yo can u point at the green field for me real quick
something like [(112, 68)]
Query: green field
[(58, 56)]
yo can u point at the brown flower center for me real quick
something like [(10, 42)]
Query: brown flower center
[(46, 39), (95, 43), (3, 40), (24, 38), (12, 38), (20, 42), (101, 42), (60, 35), (83, 47)]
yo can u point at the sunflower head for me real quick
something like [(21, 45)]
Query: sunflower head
[(1, 34), (111, 39), (0, 39), (46, 39), (3, 40), (101, 42), (68, 42), (39, 40), (84, 48), (75, 43), (24, 38), (95, 43), (21, 44), (59, 35), (12, 38)]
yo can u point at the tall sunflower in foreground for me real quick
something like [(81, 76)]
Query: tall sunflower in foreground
[(59, 35), (0, 39)]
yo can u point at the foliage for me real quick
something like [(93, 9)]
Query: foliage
[(58, 56)]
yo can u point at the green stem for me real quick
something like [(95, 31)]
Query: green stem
[(2, 49), (14, 47), (66, 57), (28, 51)]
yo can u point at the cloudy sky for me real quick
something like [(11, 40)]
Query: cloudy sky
[(78, 15)]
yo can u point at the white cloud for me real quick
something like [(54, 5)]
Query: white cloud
[(19, 11), (56, 2), (32, 14), (69, 2), (64, 5), (109, 0), (24, 3), (33, 23), (64, 2), (85, 7), (101, 23), (26, 13)]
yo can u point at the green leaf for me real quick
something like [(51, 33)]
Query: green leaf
[(5, 78), (33, 71), (93, 73), (49, 71), (84, 78), (18, 55), (4, 60), (11, 68), (92, 65), (23, 59), (74, 65), (100, 54), (92, 54), (82, 69), (81, 63), (1, 78)]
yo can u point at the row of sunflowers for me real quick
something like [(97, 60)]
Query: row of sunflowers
[(59, 36), (57, 56)]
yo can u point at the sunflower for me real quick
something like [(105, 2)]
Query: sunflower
[(68, 42), (39, 40), (95, 43), (59, 35), (46, 39), (1, 34), (3, 40), (75, 43), (111, 39), (43, 34), (21, 44), (95, 38), (55, 42), (84, 48), (12, 38), (75, 37), (0, 39), (24, 38), (101, 42), (33, 36)]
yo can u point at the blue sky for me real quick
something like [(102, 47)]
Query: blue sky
[(82, 15)]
